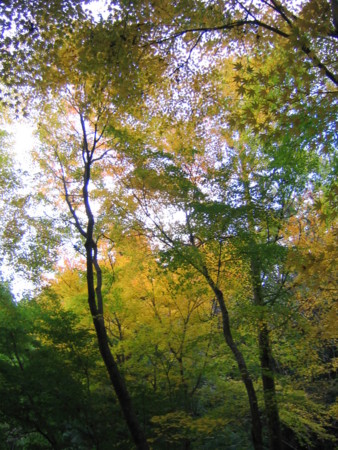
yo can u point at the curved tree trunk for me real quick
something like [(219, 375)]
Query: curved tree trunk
[(95, 299), (266, 362), (109, 361), (256, 425)]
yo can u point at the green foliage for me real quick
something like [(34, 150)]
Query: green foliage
[(210, 132), (51, 381)]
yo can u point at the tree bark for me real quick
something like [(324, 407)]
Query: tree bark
[(269, 389), (119, 385), (94, 290), (256, 424), (265, 358), (267, 371), (96, 309)]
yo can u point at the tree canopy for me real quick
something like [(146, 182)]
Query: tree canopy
[(184, 206)]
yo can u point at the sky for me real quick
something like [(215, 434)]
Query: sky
[(23, 142)]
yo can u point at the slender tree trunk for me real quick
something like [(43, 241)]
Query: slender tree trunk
[(95, 299), (269, 389), (256, 424), (266, 362), (96, 309), (119, 385)]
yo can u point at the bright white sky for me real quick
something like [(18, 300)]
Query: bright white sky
[(23, 143)]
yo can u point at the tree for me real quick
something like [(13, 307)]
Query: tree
[(47, 366), (308, 32), (235, 189), (164, 332), (215, 167), (186, 245), (76, 149)]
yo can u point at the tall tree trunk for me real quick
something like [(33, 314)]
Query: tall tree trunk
[(266, 362), (256, 424), (96, 308), (119, 385), (269, 389), (95, 298)]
